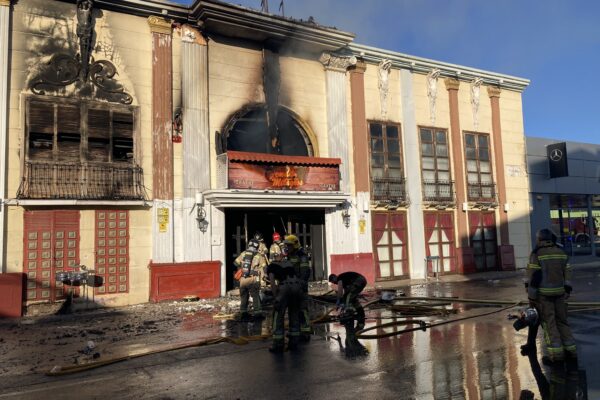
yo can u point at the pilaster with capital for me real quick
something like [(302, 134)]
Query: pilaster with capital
[(337, 124), (4, 96), (196, 141)]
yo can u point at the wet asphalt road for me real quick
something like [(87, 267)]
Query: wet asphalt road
[(475, 359)]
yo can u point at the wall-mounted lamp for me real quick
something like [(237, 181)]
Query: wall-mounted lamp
[(346, 214), (201, 213)]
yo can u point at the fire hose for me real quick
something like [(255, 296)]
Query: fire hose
[(325, 317)]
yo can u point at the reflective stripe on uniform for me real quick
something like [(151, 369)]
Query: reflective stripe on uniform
[(533, 266), (552, 257), (552, 291)]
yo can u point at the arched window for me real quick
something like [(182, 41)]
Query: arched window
[(247, 131)]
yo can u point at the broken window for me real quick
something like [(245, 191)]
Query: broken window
[(248, 131), (64, 130)]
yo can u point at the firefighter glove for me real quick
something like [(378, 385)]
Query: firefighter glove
[(568, 289)]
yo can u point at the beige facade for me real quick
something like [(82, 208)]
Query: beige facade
[(217, 78)]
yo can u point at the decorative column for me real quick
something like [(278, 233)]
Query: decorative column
[(337, 111), (196, 143), (4, 45), (340, 238), (162, 145), (466, 263), (494, 94), (412, 152), (360, 155)]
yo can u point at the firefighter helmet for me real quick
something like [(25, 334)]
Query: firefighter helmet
[(276, 237), (253, 245), (292, 241)]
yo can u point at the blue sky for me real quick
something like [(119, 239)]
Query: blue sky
[(555, 44)]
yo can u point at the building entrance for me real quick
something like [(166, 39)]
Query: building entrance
[(307, 224)]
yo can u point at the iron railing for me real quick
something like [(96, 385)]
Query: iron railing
[(482, 192), (438, 192), (81, 181), (389, 190)]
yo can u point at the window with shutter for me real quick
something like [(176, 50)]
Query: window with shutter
[(80, 149)]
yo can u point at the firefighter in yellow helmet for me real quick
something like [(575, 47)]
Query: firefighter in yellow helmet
[(299, 260)]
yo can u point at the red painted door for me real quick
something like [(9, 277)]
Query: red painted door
[(483, 238), (439, 240), (390, 243), (51, 244)]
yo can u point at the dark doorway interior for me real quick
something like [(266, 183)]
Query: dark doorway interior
[(307, 224)]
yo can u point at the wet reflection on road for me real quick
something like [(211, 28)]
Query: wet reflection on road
[(477, 358)]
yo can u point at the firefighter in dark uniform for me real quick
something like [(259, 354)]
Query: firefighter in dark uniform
[(549, 275), (349, 285), (252, 263), (287, 292), (299, 260)]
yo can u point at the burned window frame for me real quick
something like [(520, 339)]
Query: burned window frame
[(84, 154)]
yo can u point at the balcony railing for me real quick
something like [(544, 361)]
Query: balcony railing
[(390, 190), (81, 182), (482, 192), (438, 192)]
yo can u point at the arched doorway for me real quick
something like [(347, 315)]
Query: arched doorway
[(247, 131)]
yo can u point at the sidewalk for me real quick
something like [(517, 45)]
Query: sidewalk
[(577, 262)]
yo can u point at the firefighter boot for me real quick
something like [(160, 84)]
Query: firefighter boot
[(277, 346)]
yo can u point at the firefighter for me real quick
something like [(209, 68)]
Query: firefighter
[(349, 285), (287, 292), (548, 285), (299, 260), (275, 249), (262, 247), (251, 263)]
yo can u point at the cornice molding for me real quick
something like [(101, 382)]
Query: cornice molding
[(4, 3), (333, 62), (374, 55), (494, 91), (160, 25), (452, 84), (192, 35)]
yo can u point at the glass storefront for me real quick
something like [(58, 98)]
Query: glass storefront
[(573, 225)]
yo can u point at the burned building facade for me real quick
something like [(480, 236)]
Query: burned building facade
[(150, 141)]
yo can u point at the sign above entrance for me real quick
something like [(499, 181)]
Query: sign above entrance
[(274, 172)]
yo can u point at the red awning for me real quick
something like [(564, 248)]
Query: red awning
[(278, 159)]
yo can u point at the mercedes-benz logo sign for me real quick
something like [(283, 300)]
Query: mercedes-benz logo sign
[(556, 155)]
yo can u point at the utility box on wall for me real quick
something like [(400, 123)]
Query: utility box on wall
[(12, 295)]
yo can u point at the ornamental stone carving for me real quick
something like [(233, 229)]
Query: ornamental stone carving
[(191, 35), (383, 74), (337, 63), (159, 25), (432, 79), (5, 3), (475, 94), (493, 91)]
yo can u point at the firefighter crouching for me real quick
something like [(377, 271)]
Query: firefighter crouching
[(549, 275), (287, 292), (302, 268), (251, 262), (349, 285)]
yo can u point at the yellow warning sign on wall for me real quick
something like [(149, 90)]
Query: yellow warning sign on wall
[(163, 219)]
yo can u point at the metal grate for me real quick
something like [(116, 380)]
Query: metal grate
[(81, 181), (438, 191), (388, 189), (482, 192)]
